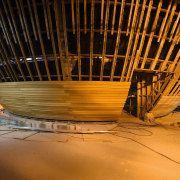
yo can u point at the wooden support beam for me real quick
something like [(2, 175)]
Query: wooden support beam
[(130, 15), (153, 65), (65, 39), (19, 39), (139, 97), (114, 16), (177, 93), (12, 70), (130, 40), (91, 40), (102, 15), (85, 16), (46, 18), (5, 69), (21, 20), (105, 39), (29, 39), (151, 34), (58, 26), (171, 67), (73, 18), (11, 44), (175, 89), (145, 28), (174, 27), (78, 38), (163, 66), (117, 40), (41, 39), (53, 39), (164, 21), (32, 20), (136, 60), (9, 21), (2, 74), (136, 41), (10, 73)]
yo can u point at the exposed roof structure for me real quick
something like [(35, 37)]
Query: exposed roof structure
[(87, 40)]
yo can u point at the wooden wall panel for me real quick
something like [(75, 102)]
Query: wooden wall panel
[(65, 100), (165, 105)]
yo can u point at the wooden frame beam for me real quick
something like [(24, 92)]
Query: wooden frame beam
[(29, 40), (136, 41), (11, 44), (41, 39), (130, 40), (91, 40), (78, 38), (153, 65), (53, 40), (19, 39), (117, 40), (151, 34), (105, 39), (114, 16)]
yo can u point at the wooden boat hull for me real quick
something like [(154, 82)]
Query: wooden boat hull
[(65, 100)]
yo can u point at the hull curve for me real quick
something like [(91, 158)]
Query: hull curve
[(66, 100)]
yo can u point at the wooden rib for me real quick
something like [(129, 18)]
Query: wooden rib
[(32, 20), (153, 65), (73, 18), (135, 64), (163, 66), (2, 74), (164, 21), (53, 40), (105, 38), (9, 21), (177, 93), (59, 38), (7, 66), (11, 44), (21, 20), (145, 28), (9, 61), (5, 69), (175, 88), (46, 19), (18, 38), (78, 38), (174, 27), (91, 40), (5, 36), (130, 14), (136, 40), (85, 16), (130, 39), (30, 41), (173, 80), (151, 34), (41, 39), (171, 68), (117, 40), (65, 39), (114, 16), (102, 15)]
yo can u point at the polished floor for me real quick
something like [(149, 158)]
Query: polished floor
[(131, 150)]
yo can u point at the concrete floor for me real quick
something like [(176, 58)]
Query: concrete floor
[(134, 151)]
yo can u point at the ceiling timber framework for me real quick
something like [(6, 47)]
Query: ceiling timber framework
[(106, 40)]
